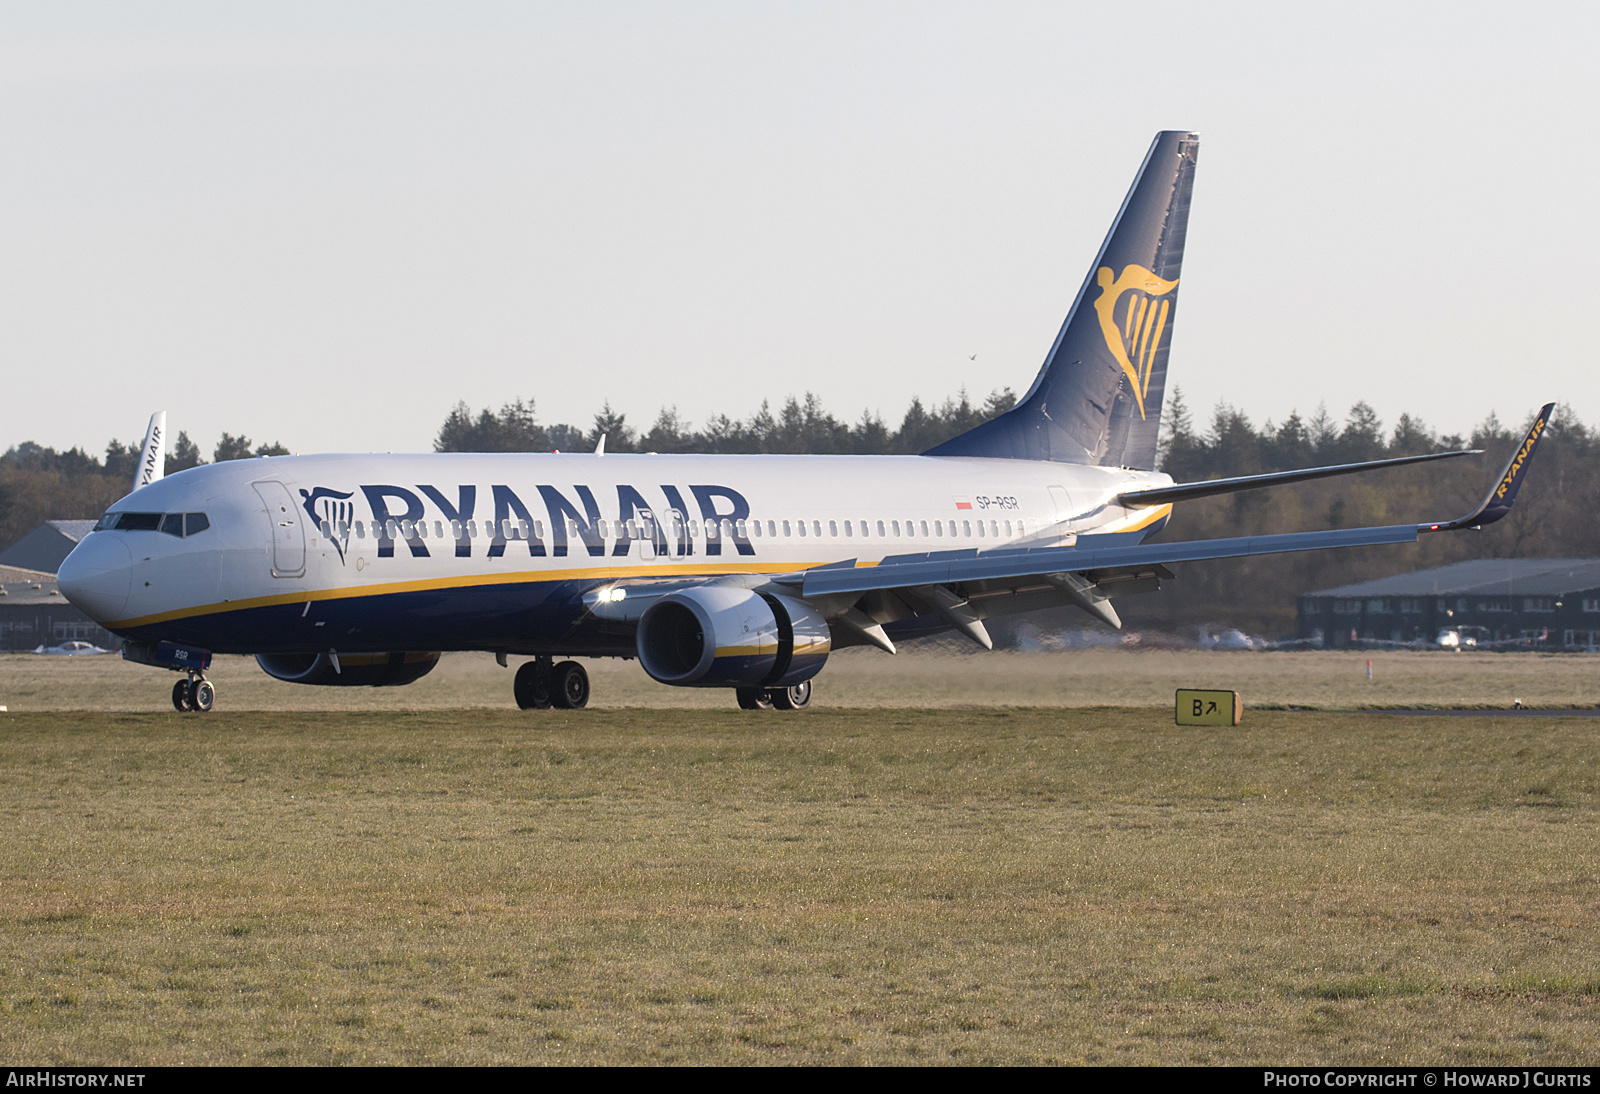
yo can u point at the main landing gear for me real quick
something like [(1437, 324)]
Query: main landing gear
[(794, 698), (195, 693), (540, 685), (564, 685)]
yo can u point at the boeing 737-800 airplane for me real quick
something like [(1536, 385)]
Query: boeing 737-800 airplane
[(738, 572)]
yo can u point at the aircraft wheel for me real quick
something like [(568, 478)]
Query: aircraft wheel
[(570, 688), (202, 696), (532, 686), (795, 698), (754, 698), (180, 697)]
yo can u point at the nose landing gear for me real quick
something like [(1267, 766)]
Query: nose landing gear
[(195, 693)]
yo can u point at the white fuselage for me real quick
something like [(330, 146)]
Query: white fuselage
[(319, 530)]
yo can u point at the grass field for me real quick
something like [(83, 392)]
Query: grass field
[(880, 885), (863, 677)]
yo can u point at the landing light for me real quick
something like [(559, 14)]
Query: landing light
[(611, 596)]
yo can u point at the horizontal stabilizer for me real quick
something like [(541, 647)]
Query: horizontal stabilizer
[(1187, 491)]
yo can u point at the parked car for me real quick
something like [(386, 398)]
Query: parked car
[(71, 649)]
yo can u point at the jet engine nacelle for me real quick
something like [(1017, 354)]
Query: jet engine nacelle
[(354, 670), (718, 637)]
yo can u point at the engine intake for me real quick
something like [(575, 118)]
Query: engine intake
[(717, 637), (355, 670)]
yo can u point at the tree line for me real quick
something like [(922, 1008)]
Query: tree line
[(1557, 515), (39, 484), (800, 426)]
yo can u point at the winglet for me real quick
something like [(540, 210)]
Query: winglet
[(151, 461), (1497, 503)]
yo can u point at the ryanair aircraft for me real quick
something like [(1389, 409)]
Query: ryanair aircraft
[(739, 572)]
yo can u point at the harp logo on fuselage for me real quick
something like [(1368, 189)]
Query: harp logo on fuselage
[(1133, 333)]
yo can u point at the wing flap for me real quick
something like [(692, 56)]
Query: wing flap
[(1084, 556)]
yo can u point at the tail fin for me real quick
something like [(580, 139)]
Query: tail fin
[(1097, 400)]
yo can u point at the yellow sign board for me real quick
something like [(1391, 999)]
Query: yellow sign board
[(1208, 708)]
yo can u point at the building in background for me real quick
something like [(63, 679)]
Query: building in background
[(34, 613), (1548, 603), (46, 546)]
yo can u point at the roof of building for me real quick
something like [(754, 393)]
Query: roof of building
[(74, 530), (1483, 576), (10, 574), (15, 593), (46, 546)]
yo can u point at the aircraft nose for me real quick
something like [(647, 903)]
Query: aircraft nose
[(97, 576)]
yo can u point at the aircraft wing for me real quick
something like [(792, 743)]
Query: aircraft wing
[(906, 571), (964, 587), (956, 584)]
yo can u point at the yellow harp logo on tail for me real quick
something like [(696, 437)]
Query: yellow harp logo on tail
[(1133, 335)]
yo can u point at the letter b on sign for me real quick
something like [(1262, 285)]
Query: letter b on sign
[(1195, 707)]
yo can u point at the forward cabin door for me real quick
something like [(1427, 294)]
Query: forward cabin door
[(288, 529)]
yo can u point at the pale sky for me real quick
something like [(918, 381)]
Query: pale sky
[(324, 223)]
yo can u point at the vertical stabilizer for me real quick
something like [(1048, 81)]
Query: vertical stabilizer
[(1097, 400), (152, 458)]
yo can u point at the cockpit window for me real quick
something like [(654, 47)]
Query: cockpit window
[(138, 522), (173, 524)]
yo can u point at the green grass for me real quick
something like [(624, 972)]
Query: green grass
[(839, 886)]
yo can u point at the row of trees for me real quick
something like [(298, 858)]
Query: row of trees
[(1558, 515), (799, 426), (39, 484)]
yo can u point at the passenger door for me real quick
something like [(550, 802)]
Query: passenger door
[(288, 529)]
